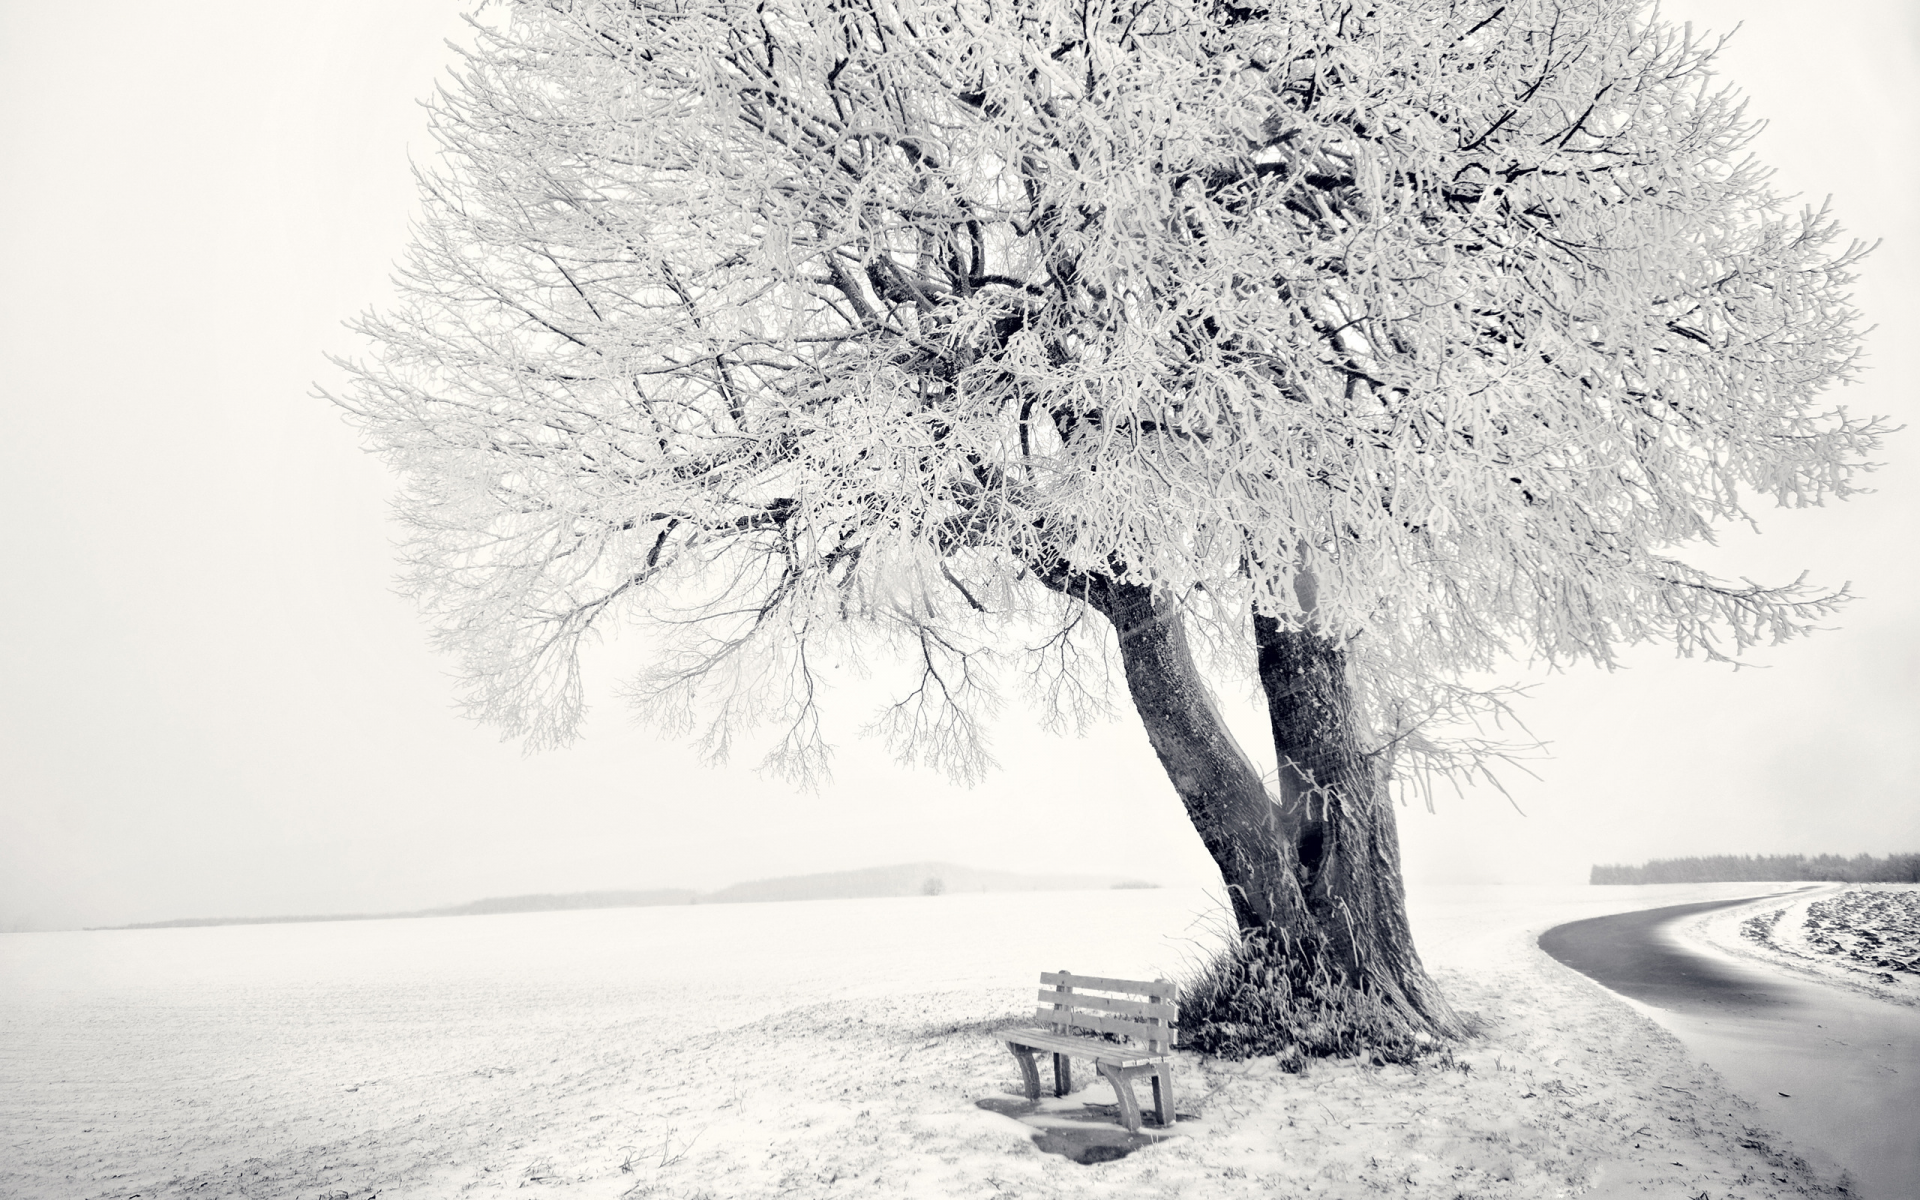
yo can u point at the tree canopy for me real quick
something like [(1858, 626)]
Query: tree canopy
[(1436, 326)]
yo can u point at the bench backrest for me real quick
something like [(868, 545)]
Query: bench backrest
[(1142, 1010)]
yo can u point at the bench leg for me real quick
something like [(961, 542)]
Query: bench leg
[(1062, 1074), (1163, 1095), (1123, 1091), (1029, 1073)]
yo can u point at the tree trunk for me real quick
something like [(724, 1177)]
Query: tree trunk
[(1336, 820), (1312, 867)]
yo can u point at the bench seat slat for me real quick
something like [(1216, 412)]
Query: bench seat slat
[(1133, 987), (1127, 1008), (1106, 1052)]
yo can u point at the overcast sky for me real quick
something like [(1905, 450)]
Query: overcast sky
[(213, 703)]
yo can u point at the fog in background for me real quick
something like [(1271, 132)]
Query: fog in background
[(212, 702)]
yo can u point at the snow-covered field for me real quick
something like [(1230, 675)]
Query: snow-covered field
[(836, 1048), (1861, 936)]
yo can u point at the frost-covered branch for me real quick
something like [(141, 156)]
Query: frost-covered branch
[(772, 322)]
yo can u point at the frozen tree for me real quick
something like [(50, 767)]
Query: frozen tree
[(1347, 347)]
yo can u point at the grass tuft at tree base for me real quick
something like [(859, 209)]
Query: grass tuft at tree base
[(1256, 1000)]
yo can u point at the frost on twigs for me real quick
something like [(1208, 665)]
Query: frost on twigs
[(771, 324)]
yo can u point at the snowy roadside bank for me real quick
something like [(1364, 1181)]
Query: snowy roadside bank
[(828, 1049), (1864, 937)]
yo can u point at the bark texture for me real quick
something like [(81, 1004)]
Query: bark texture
[(1312, 866), (1335, 819)]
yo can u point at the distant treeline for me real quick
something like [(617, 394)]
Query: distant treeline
[(1767, 868)]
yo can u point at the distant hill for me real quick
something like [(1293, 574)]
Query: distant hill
[(906, 879), (196, 922), (544, 902), (565, 900), (1766, 868)]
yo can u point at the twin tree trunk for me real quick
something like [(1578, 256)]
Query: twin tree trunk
[(1313, 867)]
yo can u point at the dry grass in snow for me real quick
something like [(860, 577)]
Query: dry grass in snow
[(830, 1049)]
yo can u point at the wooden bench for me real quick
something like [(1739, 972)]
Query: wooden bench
[(1139, 1014)]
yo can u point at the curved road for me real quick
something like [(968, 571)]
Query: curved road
[(1836, 1072), (1627, 954)]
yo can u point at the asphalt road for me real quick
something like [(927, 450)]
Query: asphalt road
[(1837, 1073), (1626, 953)]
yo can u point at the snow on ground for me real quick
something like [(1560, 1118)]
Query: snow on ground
[(830, 1049), (1863, 936)]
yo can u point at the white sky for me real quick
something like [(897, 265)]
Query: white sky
[(211, 701)]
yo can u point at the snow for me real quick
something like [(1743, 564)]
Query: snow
[(1863, 937), (835, 1048)]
